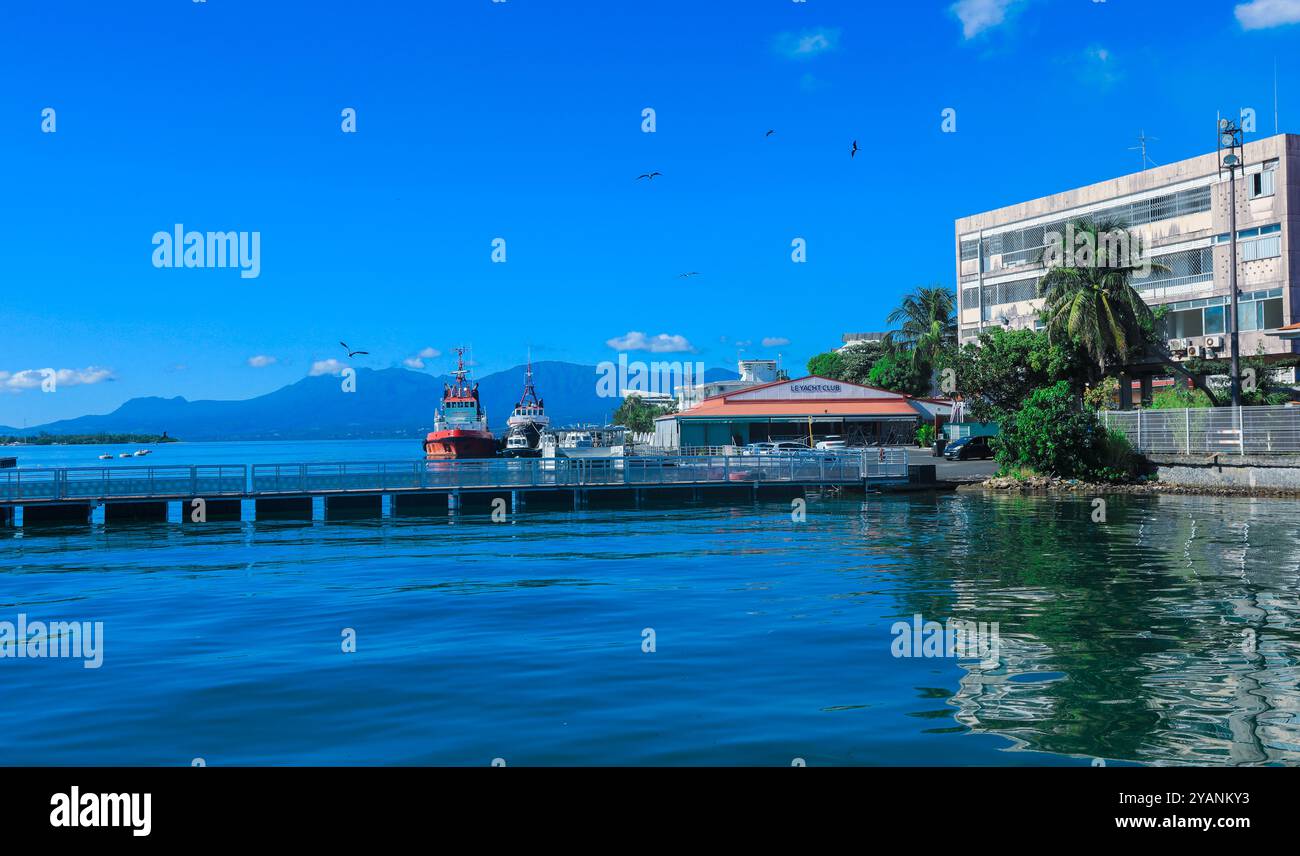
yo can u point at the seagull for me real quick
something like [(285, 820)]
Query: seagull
[(649, 175), (352, 353), (769, 133), (854, 151), (690, 273)]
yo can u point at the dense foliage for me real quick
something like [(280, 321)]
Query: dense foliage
[(637, 414), (829, 365), (1053, 434), (897, 373), (999, 373)]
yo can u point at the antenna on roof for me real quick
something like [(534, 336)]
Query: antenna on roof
[(1143, 139)]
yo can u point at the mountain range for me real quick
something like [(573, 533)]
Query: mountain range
[(393, 402)]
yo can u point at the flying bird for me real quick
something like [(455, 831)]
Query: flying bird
[(352, 353), (769, 133), (854, 151), (689, 273), (649, 175)]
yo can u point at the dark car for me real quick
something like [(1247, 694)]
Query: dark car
[(967, 448)]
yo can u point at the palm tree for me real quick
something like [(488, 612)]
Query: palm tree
[(1095, 305), (927, 320)]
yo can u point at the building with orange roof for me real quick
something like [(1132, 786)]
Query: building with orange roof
[(805, 410)]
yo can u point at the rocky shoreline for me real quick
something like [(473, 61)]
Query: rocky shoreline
[(1053, 484)]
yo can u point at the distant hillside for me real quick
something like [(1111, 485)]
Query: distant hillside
[(387, 403)]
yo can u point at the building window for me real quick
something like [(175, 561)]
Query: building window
[(1262, 183), (1182, 268), (1262, 248), (1025, 246), (1256, 310), (1186, 324), (1214, 316), (1265, 314)]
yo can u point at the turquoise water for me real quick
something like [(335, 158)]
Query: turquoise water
[(1167, 634)]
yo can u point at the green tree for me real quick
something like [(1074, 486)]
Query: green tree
[(828, 365), (927, 328), (858, 360), (1089, 300), (637, 414), (896, 373), (998, 374), (1053, 434)]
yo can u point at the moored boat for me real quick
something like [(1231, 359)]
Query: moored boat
[(527, 422), (460, 427), (609, 441)]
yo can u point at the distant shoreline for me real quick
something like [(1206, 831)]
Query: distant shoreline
[(86, 440)]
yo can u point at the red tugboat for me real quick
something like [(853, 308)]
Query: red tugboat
[(460, 428)]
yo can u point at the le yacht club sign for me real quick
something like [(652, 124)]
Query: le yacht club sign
[(822, 387)]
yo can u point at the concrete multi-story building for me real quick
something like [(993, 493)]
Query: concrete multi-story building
[(1181, 211)]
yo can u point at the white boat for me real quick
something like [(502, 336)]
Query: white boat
[(585, 442), (125, 455), (527, 422), (106, 457), (140, 453)]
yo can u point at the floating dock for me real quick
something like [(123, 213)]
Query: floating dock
[(311, 490)]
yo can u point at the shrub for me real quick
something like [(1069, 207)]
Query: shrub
[(925, 434), (1053, 434), (1115, 458), (1104, 395)]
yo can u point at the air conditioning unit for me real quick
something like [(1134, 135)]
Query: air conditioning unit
[(1193, 351), (1177, 345), (1212, 342)]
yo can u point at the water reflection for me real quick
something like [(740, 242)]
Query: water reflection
[(1167, 634)]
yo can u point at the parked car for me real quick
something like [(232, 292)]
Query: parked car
[(967, 448), (758, 449), (832, 442), (787, 447)]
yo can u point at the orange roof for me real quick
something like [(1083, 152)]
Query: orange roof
[(745, 390), (843, 407)]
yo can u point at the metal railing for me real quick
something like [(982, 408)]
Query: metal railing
[(94, 483), (1210, 430), (259, 480)]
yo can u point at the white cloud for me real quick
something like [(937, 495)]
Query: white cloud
[(808, 44), (324, 367), (417, 361), (775, 341), (1099, 67), (261, 361), (979, 15), (661, 344), (33, 378), (1262, 14)]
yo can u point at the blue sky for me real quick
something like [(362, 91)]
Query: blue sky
[(523, 120)]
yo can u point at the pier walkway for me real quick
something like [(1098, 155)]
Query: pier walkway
[(150, 492)]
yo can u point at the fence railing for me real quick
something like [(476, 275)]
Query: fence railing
[(183, 482), (167, 482), (1210, 430)]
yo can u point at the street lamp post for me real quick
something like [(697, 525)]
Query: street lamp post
[(1230, 140)]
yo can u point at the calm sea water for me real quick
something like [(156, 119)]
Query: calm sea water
[(1168, 634)]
